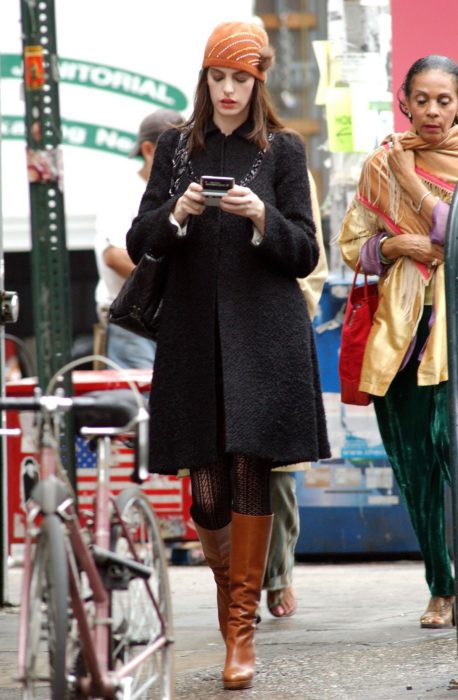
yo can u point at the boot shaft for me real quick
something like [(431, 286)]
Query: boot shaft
[(249, 550), (216, 545)]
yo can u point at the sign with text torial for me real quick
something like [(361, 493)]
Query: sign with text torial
[(144, 59)]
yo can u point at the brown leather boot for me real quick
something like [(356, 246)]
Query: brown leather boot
[(250, 545), (217, 549)]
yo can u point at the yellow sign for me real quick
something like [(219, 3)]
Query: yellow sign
[(339, 119)]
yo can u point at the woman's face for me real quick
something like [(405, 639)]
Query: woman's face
[(433, 103), (230, 93)]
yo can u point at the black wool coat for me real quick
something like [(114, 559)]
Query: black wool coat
[(236, 306)]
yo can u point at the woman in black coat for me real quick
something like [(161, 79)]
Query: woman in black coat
[(235, 388)]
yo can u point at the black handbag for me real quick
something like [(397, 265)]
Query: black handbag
[(138, 305), (137, 308)]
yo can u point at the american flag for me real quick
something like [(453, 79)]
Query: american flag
[(85, 457), (165, 493)]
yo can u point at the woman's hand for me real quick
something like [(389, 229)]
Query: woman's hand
[(402, 163), (415, 246), (192, 202), (244, 202)]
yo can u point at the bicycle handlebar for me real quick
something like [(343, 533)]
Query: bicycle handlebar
[(102, 410), (104, 413), (33, 403)]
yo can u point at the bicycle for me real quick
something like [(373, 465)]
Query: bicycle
[(96, 617)]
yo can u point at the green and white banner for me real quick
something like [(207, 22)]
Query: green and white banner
[(117, 63), (100, 77)]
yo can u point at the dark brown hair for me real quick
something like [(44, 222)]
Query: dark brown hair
[(431, 62), (262, 114)]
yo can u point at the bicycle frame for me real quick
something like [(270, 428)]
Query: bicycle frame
[(101, 681), (95, 645)]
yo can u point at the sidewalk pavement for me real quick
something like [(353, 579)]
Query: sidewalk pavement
[(355, 636)]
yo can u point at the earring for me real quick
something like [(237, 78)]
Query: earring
[(409, 114)]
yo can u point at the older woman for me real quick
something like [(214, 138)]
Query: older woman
[(395, 228)]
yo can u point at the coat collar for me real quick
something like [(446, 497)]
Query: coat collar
[(243, 130)]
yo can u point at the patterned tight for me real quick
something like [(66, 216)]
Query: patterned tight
[(237, 482)]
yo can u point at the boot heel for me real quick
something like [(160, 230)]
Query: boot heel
[(238, 685)]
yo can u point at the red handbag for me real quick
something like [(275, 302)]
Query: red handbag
[(361, 305)]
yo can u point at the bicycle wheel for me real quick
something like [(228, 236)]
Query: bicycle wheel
[(137, 622), (45, 663)]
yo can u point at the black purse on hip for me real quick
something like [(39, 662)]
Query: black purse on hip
[(138, 305), (137, 308)]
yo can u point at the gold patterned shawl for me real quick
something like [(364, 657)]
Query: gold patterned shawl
[(381, 205), (379, 192), (435, 164)]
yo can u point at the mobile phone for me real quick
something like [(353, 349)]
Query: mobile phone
[(215, 187)]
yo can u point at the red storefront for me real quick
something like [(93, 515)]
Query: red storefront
[(420, 28)]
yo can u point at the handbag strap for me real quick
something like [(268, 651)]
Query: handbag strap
[(180, 160), (358, 270)]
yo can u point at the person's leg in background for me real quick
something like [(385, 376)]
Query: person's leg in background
[(281, 600), (129, 350)]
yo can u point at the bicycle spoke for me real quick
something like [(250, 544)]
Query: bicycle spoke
[(142, 613)]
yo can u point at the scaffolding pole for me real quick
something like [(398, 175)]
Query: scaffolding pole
[(50, 263)]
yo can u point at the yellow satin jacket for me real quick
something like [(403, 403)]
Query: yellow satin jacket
[(393, 329)]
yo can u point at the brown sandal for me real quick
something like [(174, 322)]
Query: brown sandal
[(281, 603)]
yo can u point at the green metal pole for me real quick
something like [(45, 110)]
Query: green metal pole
[(451, 290), (50, 264)]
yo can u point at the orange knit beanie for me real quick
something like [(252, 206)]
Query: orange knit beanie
[(244, 47)]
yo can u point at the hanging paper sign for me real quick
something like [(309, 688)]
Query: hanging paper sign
[(322, 51), (339, 119), (372, 116), (34, 69)]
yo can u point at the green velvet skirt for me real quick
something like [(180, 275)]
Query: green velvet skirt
[(413, 424)]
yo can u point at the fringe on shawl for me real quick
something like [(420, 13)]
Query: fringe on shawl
[(413, 284), (382, 170), (437, 190)]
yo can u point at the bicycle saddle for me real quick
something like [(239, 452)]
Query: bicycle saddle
[(107, 408)]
